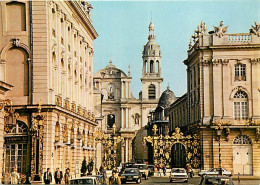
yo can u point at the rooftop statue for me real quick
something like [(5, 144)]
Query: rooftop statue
[(220, 30), (255, 29)]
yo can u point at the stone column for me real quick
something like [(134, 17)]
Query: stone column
[(207, 97), (227, 106), (126, 150), (126, 117), (217, 88)]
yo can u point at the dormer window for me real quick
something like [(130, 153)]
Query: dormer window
[(240, 72)]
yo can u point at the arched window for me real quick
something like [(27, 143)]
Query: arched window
[(111, 118), (158, 66), (151, 92), (16, 150), (242, 140), (20, 128), (240, 105), (145, 66), (57, 132), (151, 66)]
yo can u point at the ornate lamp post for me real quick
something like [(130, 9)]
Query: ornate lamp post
[(219, 132), (37, 145)]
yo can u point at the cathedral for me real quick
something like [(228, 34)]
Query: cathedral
[(118, 106)]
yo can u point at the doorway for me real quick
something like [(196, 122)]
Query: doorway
[(242, 155)]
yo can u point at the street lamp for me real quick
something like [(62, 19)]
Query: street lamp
[(219, 132), (37, 139)]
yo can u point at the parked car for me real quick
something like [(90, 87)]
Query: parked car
[(85, 180), (100, 179), (178, 175), (150, 169), (130, 175), (215, 171), (216, 180), (143, 168)]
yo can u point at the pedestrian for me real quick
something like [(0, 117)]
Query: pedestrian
[(159, 170), (67, 176), (164, 170), (96, 171), (191, 172), (14, 176), (47, 176), (58, 176), (113, 179)]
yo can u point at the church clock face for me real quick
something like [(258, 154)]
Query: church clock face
[(111, 88)]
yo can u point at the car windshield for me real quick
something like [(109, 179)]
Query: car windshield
[(141, 167), (178, 171), (82, 181), (216, 169), (131, 171)]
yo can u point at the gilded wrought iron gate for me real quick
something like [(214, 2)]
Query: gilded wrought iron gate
[(162, 146)]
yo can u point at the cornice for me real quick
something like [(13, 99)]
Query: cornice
[(84, 18)]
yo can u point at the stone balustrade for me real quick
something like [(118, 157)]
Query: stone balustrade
[(239, 37)]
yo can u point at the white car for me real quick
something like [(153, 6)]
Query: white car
[(178, 175), (85, 180), (215, 171)]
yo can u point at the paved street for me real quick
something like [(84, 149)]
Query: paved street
[(194, 181)]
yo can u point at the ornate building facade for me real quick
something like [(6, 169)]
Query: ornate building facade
[(119, 106), (47, 56), (223, 98)]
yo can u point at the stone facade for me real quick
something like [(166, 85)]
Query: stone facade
[(119, 106), (47, 55), (223, 93)]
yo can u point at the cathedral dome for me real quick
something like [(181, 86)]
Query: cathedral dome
[(167, 98)]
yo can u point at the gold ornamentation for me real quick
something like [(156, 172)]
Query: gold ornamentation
[(67, 104), (79, 110), (155, 129), (73, 107), (58, 101), (85, 113), (110, 142), (162, 146)]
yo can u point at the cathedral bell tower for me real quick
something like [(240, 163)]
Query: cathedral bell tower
[(151, 76)]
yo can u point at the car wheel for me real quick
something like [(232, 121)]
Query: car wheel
[(123, 181), (186, 181), (138, 181)]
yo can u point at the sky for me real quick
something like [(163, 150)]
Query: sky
[(123, 30)]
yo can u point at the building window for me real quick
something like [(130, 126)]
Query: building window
[(110, 120), (151, 91), (151, 66), (240, 72), (240, 105), (242, 140), (15, 152)]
